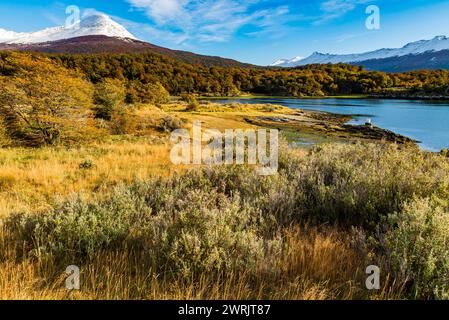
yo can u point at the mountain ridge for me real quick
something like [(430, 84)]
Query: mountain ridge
[(410, 50), (425, 61)]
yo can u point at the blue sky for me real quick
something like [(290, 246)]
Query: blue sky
[(256, 31)]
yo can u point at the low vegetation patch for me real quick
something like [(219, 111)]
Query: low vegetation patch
[(228, 222)]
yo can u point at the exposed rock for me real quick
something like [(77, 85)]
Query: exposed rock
[(372, 132), (274, 119), (328, 124)]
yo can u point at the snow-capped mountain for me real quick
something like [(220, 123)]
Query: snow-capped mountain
[(287, 62), (99, 34), (415, 48), (98, 24)]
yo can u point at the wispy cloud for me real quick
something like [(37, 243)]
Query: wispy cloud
[(185, 22), (162, 11), (350, 36), (208, 20), (333, 9)]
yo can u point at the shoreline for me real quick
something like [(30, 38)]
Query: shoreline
[(329, 126), (304, 126), (358, 129), (284, 97), (355, 97)]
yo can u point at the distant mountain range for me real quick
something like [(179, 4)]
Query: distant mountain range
[(99, 34), (424, 54)]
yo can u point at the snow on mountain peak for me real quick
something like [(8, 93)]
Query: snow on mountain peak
[(440, 38), (97, 24), (6, 35), (285, 62), (436, 44)]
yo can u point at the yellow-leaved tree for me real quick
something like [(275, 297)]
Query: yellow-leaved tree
[(42, 103)]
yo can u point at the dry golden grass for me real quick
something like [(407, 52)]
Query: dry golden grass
[(30, 178), (229, 116), (316, 265)]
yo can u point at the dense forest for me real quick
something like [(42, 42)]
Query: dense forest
[(313, 80), (179, 77)]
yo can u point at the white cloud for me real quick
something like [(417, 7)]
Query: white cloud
[(160, 10), (333, 9), (207, 20)]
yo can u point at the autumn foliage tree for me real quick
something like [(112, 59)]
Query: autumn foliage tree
[(153, 93), (42, 103), (108, 96)]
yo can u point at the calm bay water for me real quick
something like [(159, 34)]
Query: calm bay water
[(424, 121)]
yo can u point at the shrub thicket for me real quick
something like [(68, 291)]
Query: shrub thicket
[(192, 102), (226, 219), (170, 123), (361, 185)]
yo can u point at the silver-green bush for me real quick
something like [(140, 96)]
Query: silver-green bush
[(362, 184), (419, 248)]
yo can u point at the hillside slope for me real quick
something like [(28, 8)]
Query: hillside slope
[(103, 44), (425, 61)]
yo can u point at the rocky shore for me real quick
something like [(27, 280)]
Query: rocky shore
[(376, 133), (329, 125)]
